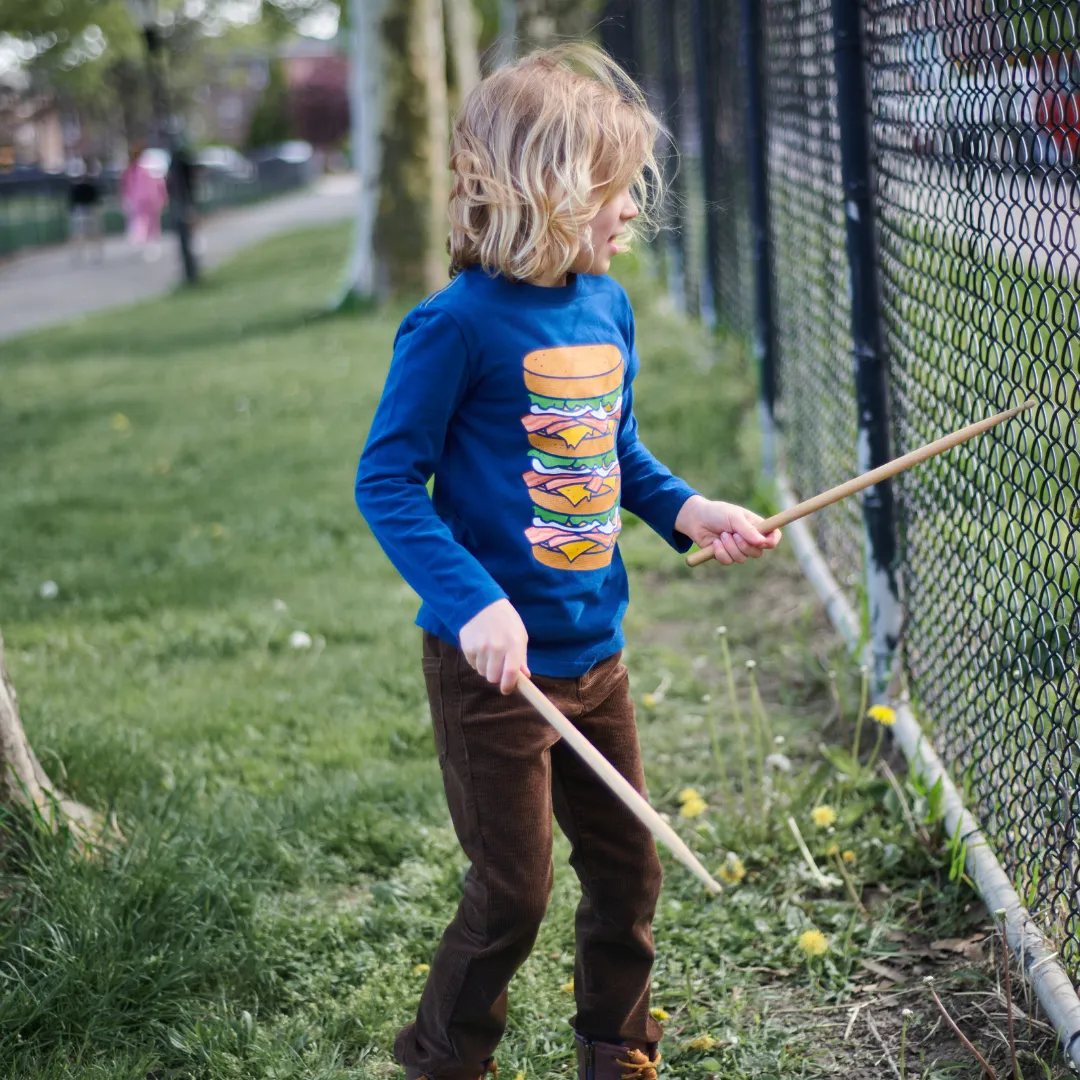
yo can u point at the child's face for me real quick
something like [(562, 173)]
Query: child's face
[(604, 230)]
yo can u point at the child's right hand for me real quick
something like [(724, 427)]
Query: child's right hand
[(495, 643)]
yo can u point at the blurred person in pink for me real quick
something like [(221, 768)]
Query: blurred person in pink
[(144, 195)]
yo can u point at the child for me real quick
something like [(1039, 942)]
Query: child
[(513, 386)]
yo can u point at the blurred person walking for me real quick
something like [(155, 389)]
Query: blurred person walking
[(144, 196), (84, 200)]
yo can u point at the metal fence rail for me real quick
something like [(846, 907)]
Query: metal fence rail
[(972, 220)]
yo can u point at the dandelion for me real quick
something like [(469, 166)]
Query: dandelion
[(779, 740), (733, 870), (751, 664), (120, 422), (885, 717), (299, 640), (568, 987), (520, 1076), (813, 943), (658, 1013), (823, 816), (421, 969), (832, 849), (883, 714), (689, 793), (721, 631), (702, 1042), (779, 761), (649, 701), (48, 590), (848, 856), (693, 808)]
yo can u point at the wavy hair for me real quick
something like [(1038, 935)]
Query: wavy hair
[(538, 148)]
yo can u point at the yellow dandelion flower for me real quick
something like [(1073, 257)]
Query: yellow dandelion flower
[(813, 943), (520, 1076), (649, 701), (658, 1014), (120, 422), (421, 969), (832, 849), (693, 808), (823, 816), (568, 987), (702, 1042), (882, 714), (848, 856), (689, 793), (733, 871)]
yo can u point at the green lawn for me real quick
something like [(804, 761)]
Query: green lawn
[(183, 472)]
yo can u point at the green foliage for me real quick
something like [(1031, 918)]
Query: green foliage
[(270, 122)]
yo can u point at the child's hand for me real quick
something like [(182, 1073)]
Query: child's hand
[(731, 531), (495, 644)]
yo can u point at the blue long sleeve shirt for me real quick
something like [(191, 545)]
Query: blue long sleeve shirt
[(518, 399)]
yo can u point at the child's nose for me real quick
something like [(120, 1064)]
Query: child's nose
[(630, 209)]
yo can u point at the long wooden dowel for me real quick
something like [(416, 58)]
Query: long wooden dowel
[(875, 476), (618, 783)]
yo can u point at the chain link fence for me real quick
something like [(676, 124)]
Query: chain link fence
[(972, 114)]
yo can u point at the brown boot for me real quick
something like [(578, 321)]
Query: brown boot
[(615, 1061)]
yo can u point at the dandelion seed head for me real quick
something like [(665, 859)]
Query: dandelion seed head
[(299, 640), (48, 590), (721, 630), (928, 980), (779, 740), (907, 1013), (751, 664)]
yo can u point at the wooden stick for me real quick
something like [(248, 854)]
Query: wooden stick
[(616, 781), (875, 476)]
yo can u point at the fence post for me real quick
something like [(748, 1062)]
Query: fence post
[(675, 237), (702, 27), (871, 372), (764, 325)]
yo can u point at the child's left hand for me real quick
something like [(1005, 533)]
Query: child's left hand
[(731, 531)]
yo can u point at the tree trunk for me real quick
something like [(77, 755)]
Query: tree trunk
[(462, 29), (23, 782), (411, 230), (366, 106)]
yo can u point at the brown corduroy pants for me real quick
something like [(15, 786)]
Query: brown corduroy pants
[(505, 770)]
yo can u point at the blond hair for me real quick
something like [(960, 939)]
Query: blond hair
[(538, 148)]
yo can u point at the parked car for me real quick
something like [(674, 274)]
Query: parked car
[(1056, 88), (225, 161)]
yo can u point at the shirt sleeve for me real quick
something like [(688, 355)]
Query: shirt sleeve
[(429, 376), (649, 489)]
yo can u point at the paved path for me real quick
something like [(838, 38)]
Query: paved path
[(53, 286)]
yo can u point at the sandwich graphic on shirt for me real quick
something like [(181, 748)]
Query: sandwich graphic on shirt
[(575, 395)]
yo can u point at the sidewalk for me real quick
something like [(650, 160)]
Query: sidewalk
[(53, 286)]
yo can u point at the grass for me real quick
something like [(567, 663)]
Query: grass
[(182, 472)]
